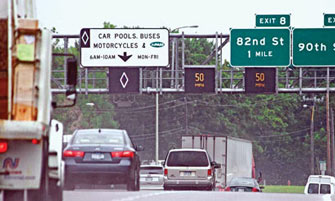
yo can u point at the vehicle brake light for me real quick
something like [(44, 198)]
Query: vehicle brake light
[(254, 189), (227, 189), (122, 154), (70, 153), (165, 172), (35, 141), (209, 172), (3, 147)]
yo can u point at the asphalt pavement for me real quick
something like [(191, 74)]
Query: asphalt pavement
[(160, 195)]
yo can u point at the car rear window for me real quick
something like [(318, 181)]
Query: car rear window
[(313, 188), (151, 170), (325, 189), (188, 158), (99, 138)]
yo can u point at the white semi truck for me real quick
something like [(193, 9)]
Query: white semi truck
[(30, 141), (234, 155)]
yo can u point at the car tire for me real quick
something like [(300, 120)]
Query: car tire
[(210, 188), (68, 186), (167, 188), (55, 191), (134, 182)]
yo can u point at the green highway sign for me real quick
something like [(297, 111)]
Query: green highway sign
[(329, 19), (273, 20), (314, 47), (260, 47)]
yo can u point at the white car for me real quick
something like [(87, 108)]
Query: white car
[(151, 177), (320, 184)]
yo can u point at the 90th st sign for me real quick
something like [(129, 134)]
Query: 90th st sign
[(314, 47)]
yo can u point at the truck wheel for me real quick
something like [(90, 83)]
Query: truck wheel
[(41, 193), (55, 191), (13, 195)]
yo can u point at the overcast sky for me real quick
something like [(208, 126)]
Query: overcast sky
[(69, 16)]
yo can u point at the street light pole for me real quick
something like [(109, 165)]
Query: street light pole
[(328, 126), (157, 99), (157, 127), (177, 29), (312, 139)]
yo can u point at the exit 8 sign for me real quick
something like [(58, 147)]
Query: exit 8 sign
[(272, 20)]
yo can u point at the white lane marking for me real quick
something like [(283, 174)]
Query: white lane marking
[(132, 198)]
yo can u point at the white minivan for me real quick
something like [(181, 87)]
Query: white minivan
[(320, 184), (189, 169)]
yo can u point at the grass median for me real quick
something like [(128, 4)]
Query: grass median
[(283, 189)]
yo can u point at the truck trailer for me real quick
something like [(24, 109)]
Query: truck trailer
[(233, 154)]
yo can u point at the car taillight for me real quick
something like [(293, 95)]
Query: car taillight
[(255, 190), (3, 146), (71, 153), (227, 189), (35, 141), (165, 172), (209, 172), (122, 154)]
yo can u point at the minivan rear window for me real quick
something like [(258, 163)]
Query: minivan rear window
[(325, 189), (188, 158), (313, 188)]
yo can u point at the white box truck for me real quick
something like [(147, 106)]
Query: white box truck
[(234, 155)]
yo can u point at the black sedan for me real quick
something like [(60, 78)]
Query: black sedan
[(101, 156), (243, 184)]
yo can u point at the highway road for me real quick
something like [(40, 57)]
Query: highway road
[(147, 195)]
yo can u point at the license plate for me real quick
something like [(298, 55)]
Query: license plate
[(186, 173), (241, 190), (148, 179), (98, 156)]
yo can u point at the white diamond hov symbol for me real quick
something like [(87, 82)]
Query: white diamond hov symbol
[(124, 80), (85, 37)]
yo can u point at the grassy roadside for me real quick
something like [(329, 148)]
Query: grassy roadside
[(284, 189)]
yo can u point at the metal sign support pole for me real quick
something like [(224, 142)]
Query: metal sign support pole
[(328, 126), (312, 138), (216, 62), (157, 126)]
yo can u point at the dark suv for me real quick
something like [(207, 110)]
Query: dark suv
[(101, 156)]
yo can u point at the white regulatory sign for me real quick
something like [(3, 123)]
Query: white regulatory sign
[(124, 47)]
